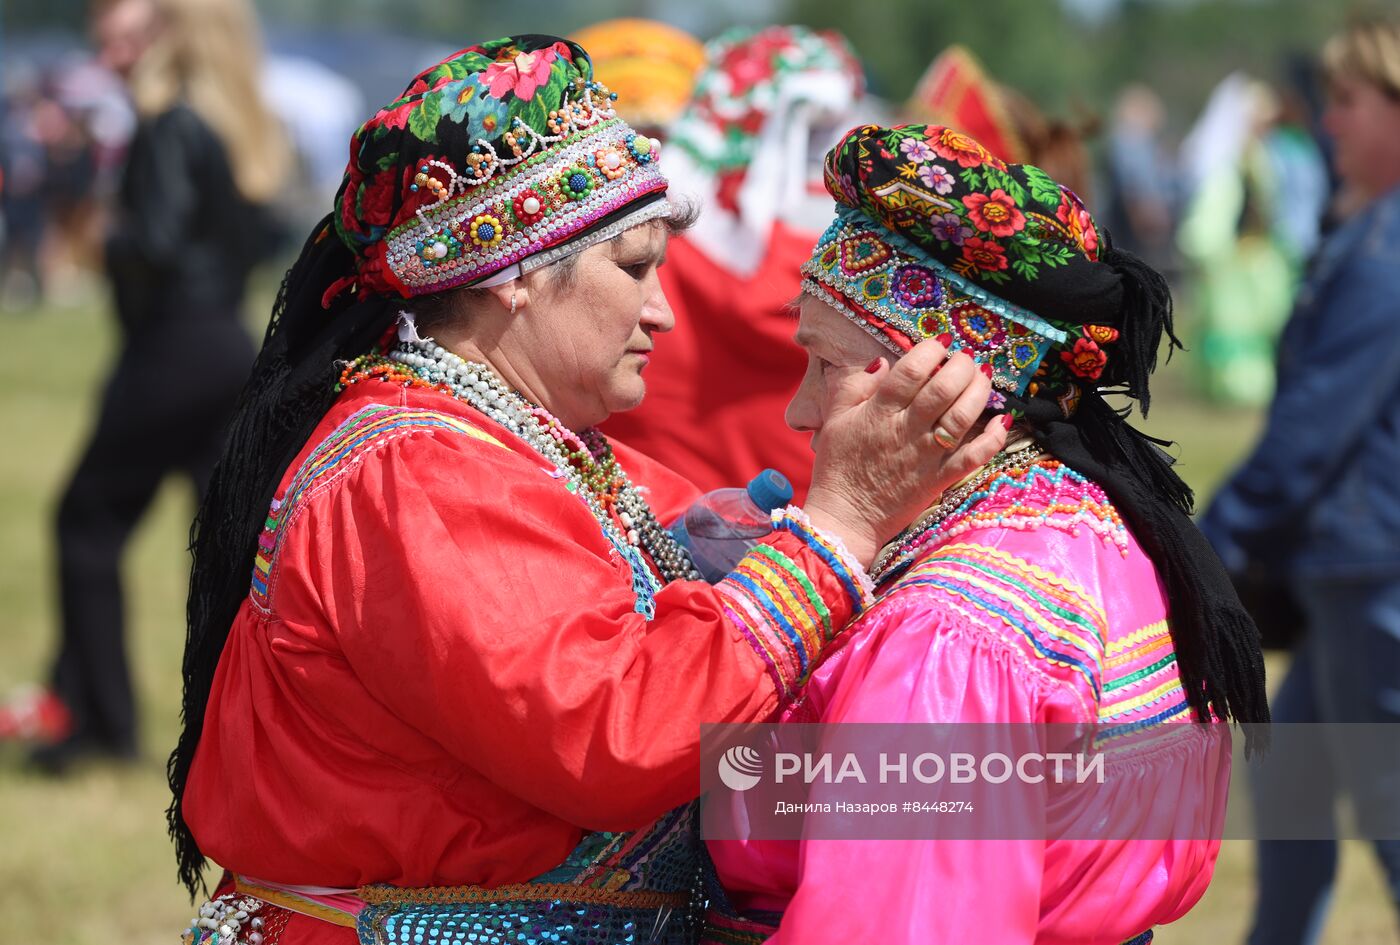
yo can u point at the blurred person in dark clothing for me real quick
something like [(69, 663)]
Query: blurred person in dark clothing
[(71, 245), (22, 199), (1315, 506), (1142, 181), (206, 160)]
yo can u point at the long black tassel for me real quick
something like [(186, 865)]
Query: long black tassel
[(1147, 302), (291, 388), (1218, 651)]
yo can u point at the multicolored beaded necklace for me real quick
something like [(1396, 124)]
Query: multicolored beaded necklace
[(584, 462), (1049, 494)]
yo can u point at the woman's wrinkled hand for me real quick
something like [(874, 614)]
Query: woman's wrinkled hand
[(879, 462)]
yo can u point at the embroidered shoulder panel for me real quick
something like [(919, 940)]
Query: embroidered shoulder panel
[(1044, 494), (1133, 677), (364, 432), (1141, 685), (1054, 619)]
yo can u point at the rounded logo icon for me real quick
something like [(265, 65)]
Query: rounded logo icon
[(740, 768)]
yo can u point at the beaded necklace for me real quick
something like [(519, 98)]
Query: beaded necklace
[(1041, 492), (908, 543), (584, 462)]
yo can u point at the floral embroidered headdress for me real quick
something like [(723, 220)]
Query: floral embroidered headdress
[(935, 237), (498, 160), (766, 106)]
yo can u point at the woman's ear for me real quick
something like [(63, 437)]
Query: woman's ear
[(512, 296)]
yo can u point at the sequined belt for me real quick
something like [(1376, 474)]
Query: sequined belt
[(547, 912), (637, 887), (446, 915)]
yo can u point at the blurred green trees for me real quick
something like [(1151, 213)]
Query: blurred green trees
[(1061, 58)]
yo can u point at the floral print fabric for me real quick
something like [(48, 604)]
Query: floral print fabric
[(1024, 246)]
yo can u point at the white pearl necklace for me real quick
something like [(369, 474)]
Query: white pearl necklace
[(478, 385)]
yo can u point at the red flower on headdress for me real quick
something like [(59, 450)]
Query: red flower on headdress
[(996, 213), (1103, 334), (523, 72), (984, 254), (955, 146), (1086, 360), (376, 201), (350, 188), (1080, 224), (396, 115), (374, 273), (348, 221), (529, 206)]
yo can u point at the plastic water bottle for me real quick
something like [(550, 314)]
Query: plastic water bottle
[(721, 527)]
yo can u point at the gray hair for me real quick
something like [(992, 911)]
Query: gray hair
[(432, 311)]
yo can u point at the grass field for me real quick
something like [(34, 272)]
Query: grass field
[(85, 860)]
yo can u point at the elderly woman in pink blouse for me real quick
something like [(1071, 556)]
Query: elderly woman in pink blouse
[(1061, 583)]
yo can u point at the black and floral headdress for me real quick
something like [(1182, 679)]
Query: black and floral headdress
[(936, 237)]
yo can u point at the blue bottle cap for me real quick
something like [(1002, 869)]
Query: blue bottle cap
[(770, 490)]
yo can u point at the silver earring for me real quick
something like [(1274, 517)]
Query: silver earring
[(512, 302)]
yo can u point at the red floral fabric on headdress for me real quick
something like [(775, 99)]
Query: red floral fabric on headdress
[(497, 154), (1006, 238)]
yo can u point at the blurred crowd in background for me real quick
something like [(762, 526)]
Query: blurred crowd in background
[(1224, 180), (1227, 194)]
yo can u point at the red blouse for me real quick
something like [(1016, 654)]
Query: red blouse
[(439, 675)]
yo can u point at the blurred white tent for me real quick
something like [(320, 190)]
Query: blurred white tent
[(1220, 135), (321, 109)]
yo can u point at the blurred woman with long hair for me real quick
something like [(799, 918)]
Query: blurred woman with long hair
[(190, 221)]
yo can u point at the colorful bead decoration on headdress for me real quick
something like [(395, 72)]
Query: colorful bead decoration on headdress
[(492, 158), (901, 296)]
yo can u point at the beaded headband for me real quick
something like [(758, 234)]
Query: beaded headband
[(900, 295), (520, 210)]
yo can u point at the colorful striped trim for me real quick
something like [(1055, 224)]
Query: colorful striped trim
[(1111, 684), (367, 429), (1174, 713), (1142, 686), (338, 908), (780, 613), (1147, 649), (831, 550), (1151, 632), (777, 608), (1130, 704), (1059, 621)]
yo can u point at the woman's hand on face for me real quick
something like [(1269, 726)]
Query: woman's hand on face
[(878, 464)]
